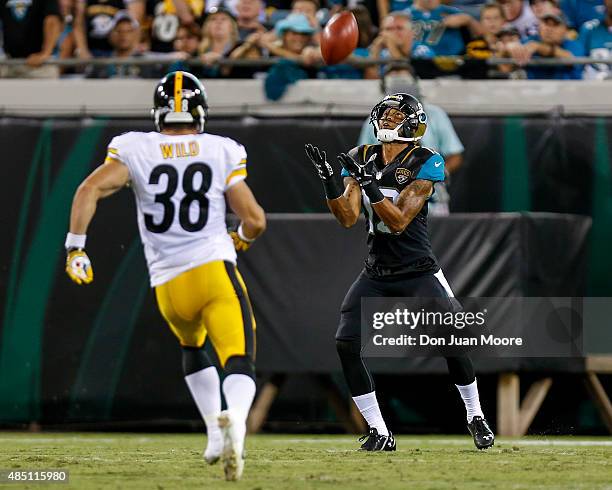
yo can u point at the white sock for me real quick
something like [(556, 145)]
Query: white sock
[(469, 394), (239, 391), (204, 386), (368, 406)]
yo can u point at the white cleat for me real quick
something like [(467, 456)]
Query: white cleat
[(233, 446), (214, 447)]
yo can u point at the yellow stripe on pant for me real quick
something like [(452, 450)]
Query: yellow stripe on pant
[(210, 300)]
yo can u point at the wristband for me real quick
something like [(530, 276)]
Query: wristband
[(241, 235), (373, 192), (75, 241), (332, 188)]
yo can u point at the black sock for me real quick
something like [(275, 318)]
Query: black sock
[(356, 373), (194, 360), (461, 370)]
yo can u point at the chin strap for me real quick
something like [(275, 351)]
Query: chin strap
[(391, 135)]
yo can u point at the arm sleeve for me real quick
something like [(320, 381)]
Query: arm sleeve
[(432, 169), (236, 164), (117, 150)]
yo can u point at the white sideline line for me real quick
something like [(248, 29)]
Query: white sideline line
[(109, 440), (466, 441), (329, 440)]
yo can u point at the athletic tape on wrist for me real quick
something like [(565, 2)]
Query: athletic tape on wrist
[(75, 241), (373, 192), (332, 188), (241, 235)]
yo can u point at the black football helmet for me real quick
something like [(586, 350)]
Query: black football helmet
[(411, 129), (180, 98)]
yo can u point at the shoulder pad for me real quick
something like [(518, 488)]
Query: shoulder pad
[(357, 152), (424, 153)]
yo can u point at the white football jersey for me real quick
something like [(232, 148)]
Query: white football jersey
[(179, 182)]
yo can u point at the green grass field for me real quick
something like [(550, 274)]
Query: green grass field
[(173, 461)]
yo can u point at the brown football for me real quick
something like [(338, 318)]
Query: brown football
[(339, 38)]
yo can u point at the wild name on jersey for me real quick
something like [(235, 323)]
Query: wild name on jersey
[(179, 182)]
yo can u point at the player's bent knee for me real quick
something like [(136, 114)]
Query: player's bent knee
[(194, 360), (240, 365)]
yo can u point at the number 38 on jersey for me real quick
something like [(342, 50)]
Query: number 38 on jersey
[(179, 182)]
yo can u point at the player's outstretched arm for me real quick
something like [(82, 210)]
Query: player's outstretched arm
[(410, 201), (252, 217), (102, 182), (345, 206)]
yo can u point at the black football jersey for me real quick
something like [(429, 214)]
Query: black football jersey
[(409, 252)]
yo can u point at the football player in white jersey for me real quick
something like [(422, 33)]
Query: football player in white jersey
[(181, 177)]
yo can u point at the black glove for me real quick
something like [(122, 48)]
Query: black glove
[(325, 171), (364, 174)]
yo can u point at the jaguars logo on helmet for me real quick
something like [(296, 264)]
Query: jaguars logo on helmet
[(411, 129), (179, 98)]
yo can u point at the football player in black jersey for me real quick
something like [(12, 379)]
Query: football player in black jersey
[(392, 181)]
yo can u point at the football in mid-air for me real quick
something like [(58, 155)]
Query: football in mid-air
[(339, 38)]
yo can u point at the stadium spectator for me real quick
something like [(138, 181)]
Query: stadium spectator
[(440, 135), (439, 26), (509, 38), (66, 46), (491, 23), (186, 46), (187, 41), (296, 47), (396, 41), (551, 42), (309, 8), (247, 17), (31, 31), (296, 40), (486, 45), (367, 32), (93, 22), (578, 12), (378, 9), (124, 38), (543, 7), (596, 39), (167, 16), (518, 14), (219, 37), (252, 48)]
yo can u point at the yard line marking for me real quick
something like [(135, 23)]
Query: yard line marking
[(460, 442), (79, 439)]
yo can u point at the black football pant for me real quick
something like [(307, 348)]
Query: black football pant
[(348, 336)]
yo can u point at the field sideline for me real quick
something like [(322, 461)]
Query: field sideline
[(173, 461)]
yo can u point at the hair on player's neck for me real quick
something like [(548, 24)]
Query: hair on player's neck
[(178, 129)]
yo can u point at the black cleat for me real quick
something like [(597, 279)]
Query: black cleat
[(375, 442), (482, 434)]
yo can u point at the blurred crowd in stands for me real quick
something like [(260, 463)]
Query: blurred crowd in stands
[(450, 39)]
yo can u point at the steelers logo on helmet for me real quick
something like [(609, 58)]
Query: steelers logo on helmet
[(179, 98), (411, 129)]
